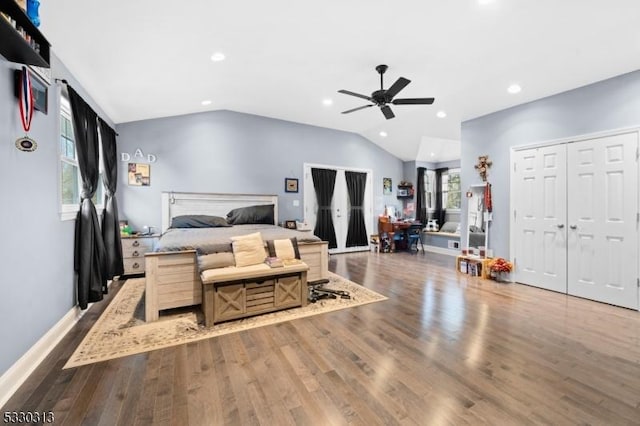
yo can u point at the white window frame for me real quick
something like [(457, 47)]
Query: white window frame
[(70, 211), (430, 189)]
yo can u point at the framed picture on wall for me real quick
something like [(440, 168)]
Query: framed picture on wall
[(139, 174), (386, 186), (290, 185)]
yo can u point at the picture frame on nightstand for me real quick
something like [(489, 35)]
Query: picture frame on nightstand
[(290, 224)]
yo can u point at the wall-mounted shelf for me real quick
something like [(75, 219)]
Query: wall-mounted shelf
[(22, 42), (405, 191)]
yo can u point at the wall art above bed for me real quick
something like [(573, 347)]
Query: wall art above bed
[(139, 174)]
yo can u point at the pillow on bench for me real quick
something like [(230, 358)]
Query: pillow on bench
[(215, 260), (286, 249), (450, 227), (248, 249)]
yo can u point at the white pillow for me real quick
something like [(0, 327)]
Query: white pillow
[(248, 249)]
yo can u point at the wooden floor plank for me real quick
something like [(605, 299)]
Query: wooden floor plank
[(445, 348)]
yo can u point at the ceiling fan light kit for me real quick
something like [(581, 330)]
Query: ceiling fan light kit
[(383, 97)]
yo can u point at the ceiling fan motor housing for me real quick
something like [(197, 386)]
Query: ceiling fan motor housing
[(380, 97)]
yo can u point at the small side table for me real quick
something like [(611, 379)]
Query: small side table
[(133, 249)]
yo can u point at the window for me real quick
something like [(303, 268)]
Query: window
[(430, 189), (70, 181), (451, 195)]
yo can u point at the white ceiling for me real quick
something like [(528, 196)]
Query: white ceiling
[(145, 59)]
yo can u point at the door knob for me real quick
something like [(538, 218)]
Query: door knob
[(573, 226), (560, 225)]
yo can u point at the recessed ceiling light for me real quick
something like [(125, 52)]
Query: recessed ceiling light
[(485, 1), (441, 114), (217, 57), (205, 103), (383, 134), (514, 88), (327, 102), (433, 154)]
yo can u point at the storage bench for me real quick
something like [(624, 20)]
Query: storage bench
[(238, 292)]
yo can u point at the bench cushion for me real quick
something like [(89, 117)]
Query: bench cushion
[(246, 272)]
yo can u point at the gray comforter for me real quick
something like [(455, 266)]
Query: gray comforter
[(215, 240)]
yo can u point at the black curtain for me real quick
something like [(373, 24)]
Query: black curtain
[(110, 221), (89, 253), (324, 181), (440, 210), (357, 231), (421, 202)]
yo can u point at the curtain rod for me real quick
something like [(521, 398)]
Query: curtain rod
[(64, 81)]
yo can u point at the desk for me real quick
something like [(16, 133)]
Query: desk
[(391, 228)]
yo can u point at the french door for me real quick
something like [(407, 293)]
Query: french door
[(341, 207), (575, 218)]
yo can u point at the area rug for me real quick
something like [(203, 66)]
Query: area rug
[(121, 330)]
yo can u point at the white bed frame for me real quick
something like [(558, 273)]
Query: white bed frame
[(184, 203), (172, 278)]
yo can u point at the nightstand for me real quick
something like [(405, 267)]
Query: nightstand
[(133, 249)]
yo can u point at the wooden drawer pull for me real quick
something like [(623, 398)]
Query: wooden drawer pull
[(136, 243), (135, 254), (135, 265)]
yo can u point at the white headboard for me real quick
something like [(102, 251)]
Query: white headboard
[(182, 203)]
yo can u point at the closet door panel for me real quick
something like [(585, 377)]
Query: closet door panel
[(603, 230), (540, 213)]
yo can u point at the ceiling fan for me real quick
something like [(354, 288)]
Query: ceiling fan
[(383, 97)]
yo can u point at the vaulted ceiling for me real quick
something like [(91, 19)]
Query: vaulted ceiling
[(284, 58)]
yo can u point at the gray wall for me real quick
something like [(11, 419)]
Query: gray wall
[(606, 105), (225, 151), (36, 248)]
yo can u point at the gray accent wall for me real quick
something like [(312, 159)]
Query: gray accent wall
[(36, 249), (607, 105), (231, 152)]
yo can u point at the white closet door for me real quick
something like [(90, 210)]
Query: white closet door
[(602, 219), (539, 217)]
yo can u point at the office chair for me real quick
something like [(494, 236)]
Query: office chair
[(385, 230), (414, 234)]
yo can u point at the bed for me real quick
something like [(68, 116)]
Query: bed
[(172, 276)]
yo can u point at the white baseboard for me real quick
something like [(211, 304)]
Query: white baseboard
[(15, 376), (20, 371), (442, 250)]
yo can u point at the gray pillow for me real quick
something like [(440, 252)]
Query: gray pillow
[(215, 260), (198, 221), (252, 214), (450, 227)]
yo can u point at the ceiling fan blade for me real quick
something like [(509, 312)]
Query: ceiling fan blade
[(397, 87), (358, 95), (413, 101), (356, 109), (387, 112)]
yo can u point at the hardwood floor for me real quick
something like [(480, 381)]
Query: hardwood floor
[(444, 349)]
